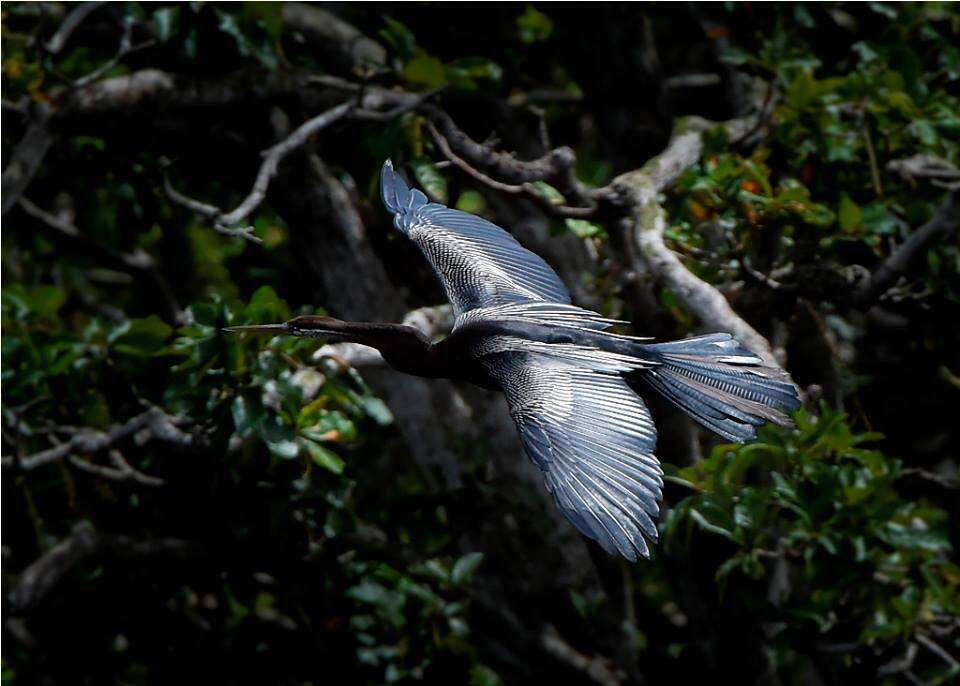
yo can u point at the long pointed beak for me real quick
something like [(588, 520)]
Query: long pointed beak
[(259, 328)]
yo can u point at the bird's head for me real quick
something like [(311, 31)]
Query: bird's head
[(307, 326)]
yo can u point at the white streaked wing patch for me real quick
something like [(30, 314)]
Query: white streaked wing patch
[(581, 355), (480, 264), (593, 438)]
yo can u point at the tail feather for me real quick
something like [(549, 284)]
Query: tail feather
[(720, 384)]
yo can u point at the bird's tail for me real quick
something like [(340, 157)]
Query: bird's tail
[(397, 196), (720, 384)]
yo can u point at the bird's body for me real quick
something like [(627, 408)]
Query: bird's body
[(571, 384)]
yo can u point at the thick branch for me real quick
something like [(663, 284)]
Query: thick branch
[(26, 158), (525, 189), (37, 580), (639, 189), (552, 166), (332, 37), (942, 224), (598, 669)]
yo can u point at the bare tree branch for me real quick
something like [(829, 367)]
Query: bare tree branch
[(638, 189), (598, 668), (525, 189), (76, 17), (329, 35), (38, 579), (938, 650), (225, 222), (124, 93), (158, 424), (940, 171), (26, 158), (274, 155), (552, 166), (121, 471), (555, 167), (942, 224), (126, 48)]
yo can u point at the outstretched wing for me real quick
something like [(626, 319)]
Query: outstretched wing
[(478, 263), (593, 438)]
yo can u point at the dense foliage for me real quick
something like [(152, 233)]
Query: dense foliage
[(269, 519)]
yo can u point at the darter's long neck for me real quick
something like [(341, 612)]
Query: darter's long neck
[(403, 347)]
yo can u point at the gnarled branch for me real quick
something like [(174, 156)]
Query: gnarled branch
[(159, 425), (943, 223), (38, 579), (638, 189)]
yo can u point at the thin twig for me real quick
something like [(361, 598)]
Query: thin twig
[(945, 221), (938, 650), (122, 470), (872, 158), (209, 212), (525, 189), (126, 48), (274, 155), (69, 25), (225, 223), (598, 669), (939, 479), (398, 110)]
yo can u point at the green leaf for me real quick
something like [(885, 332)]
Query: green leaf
[(466, 71), (481, 675), (269, 14), (430, 179), (551, 194), (260, 50), (471, 201), (166, 22), (377, 410), (534, 26), (279, 438), (399, 37), (583, 228), (141, 337), (266, 307), (425, 71), (322, 457), (40, 302), (465, 568), (849, 214)]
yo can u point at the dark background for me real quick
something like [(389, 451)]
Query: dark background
[(181, 504)]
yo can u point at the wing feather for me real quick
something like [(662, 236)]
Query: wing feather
[(593, 439), (478, 263)]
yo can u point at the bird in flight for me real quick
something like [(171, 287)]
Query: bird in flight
[(572, 385)]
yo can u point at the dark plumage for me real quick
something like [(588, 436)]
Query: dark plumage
[(569, 382)]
